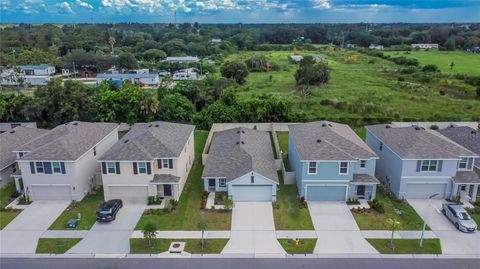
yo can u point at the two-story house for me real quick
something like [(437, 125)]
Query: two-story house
[(62, 163), (331, 162), (152, 159), (419, 163), (240, 162)]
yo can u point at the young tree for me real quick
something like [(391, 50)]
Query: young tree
[(392, 225), (235, 70), (150, 232), (202, 225)]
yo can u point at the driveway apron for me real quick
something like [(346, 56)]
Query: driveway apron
[(337, 230), (22, 234), (253, 230), (452, 240), (113, 237)]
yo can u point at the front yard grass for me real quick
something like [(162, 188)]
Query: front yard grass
[(289, 214), (140, 245), (87, 208), (394, 209), (283, 143), (188, 213), (305, 246), (407, 246), (7, 215), (56, 245)]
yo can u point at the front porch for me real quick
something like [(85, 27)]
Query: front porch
[(465, 187), (166, 186), (363, 187)]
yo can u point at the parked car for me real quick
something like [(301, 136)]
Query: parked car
[(459, 217), (108, 210)]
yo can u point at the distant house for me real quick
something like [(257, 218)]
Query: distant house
[(37, 70), (28, 75), (216, 40), (240, 162), (350, 46), (375, 47), (185, 59), (7, 126), (425, 46), (137, 78), (296, 58), (186, 74)]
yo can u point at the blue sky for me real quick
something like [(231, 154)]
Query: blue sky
[(233, 11)]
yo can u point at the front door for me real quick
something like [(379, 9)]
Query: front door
[(361, 190), (167, 190)]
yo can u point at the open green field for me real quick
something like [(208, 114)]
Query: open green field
[(465, 63), (7, 215), (365, 91)]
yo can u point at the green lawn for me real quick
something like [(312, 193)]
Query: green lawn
[(290, 214), (407, 246), (188, 213), (140, 246), (394, 208), (87, 209), (465, 63), (56, 245), (6, 216), (305, 246), (283, 143)]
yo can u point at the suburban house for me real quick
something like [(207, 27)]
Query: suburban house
[(136, 78), (152, 159), (416, 162), (7, 126), (186, 74), (376, 47), (331, 162), (185, 59), (62, 163), (425, 46), (9, 141), (240, 162), (28, 75)]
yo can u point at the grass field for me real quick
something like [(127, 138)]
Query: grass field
[(465, 63), (407, 246), (56, 245), (305, 246), (140, 245), (6, 215)]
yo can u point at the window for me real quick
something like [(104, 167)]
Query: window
[(312, 168), (429, 166), (111, 168), (165, 163), (39, 166), (20, 154), (381, 146), (222, 182), (343, 168), (94, 151), (14, 168), (252, 179), (363, 164), (462, 164), (142, 167), (56, 167)]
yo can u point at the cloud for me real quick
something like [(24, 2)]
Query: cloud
[(64, 7), (321, 4), (83, 4)]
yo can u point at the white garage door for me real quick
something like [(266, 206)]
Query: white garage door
[(50, 192), (252, 193), (129, 194), (425, 190)]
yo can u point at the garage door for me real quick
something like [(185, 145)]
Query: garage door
[(129, 194), (252, 193), (424, 190), (50, 192), (326, 193)]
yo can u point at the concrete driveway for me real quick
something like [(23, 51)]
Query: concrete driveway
[(452, 240), (337, 230), (22, 234), (114, 237), (253, 230)]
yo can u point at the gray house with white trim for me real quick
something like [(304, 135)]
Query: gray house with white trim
[(240, 162), (416, 162)]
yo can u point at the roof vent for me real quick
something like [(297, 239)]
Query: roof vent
[(324, 125), (12, 131), (150, 125), (243, 142), (75, 123), (238, 142), (243, 131), (388, 126), (238, 131), (156, 125), (329, 125), (319, 140), (417, 128), (126, 141), (472, 132)]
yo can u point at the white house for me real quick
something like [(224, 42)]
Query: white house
[(184, 59), (151, 160), (216, 40), (62, 163), (425, 46), (296, 58), (28, 75), (375, 47), (186, 74), (137, 78)]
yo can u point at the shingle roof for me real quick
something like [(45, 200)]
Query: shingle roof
[(238, 151), (324, 140), (148, 141), (364, 178), (12, 139), (165, 178), (465, 136), (418, 143), (67, 142), (466, 177)]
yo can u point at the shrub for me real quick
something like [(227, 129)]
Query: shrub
[(434, 127), (227, 203), (408, 70), (377, 206), (401, 79), (430, 68)]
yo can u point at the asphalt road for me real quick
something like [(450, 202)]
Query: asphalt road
[(241, 263)]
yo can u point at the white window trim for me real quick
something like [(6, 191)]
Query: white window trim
[(308, 168), (114, 168), (59, 166), (365, 164), (428, 166), (340, 168), (36, 168), (138, 168), (220, 182), (466, 164), (163, 163)]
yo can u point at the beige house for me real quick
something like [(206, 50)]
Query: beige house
[(152, 159)]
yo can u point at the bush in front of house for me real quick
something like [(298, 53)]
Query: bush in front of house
[(377, 206)]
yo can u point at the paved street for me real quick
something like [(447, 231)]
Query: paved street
[(453, 241), (21, 235), (253, 230)]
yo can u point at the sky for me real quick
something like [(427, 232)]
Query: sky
[(235, 11)]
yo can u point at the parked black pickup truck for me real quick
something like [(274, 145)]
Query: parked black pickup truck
[(108, 210)]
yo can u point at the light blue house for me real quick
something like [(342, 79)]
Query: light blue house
[(331, 162), (418, 163)]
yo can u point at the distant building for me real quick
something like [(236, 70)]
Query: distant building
[(37, 70), (185, 59), (425, 46), (216, 40), (296, 58), (375, 47), (186, 74), (27, 75), (6, 126), (164, 73), (350, 46), (139, 79)]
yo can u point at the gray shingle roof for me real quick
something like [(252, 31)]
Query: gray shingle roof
[(324, 140), (236, 152), (148, 141), (466, 177), (12, 139), (465, 136), (165, 178), (67, 142), (418, 143), (364, 178)]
